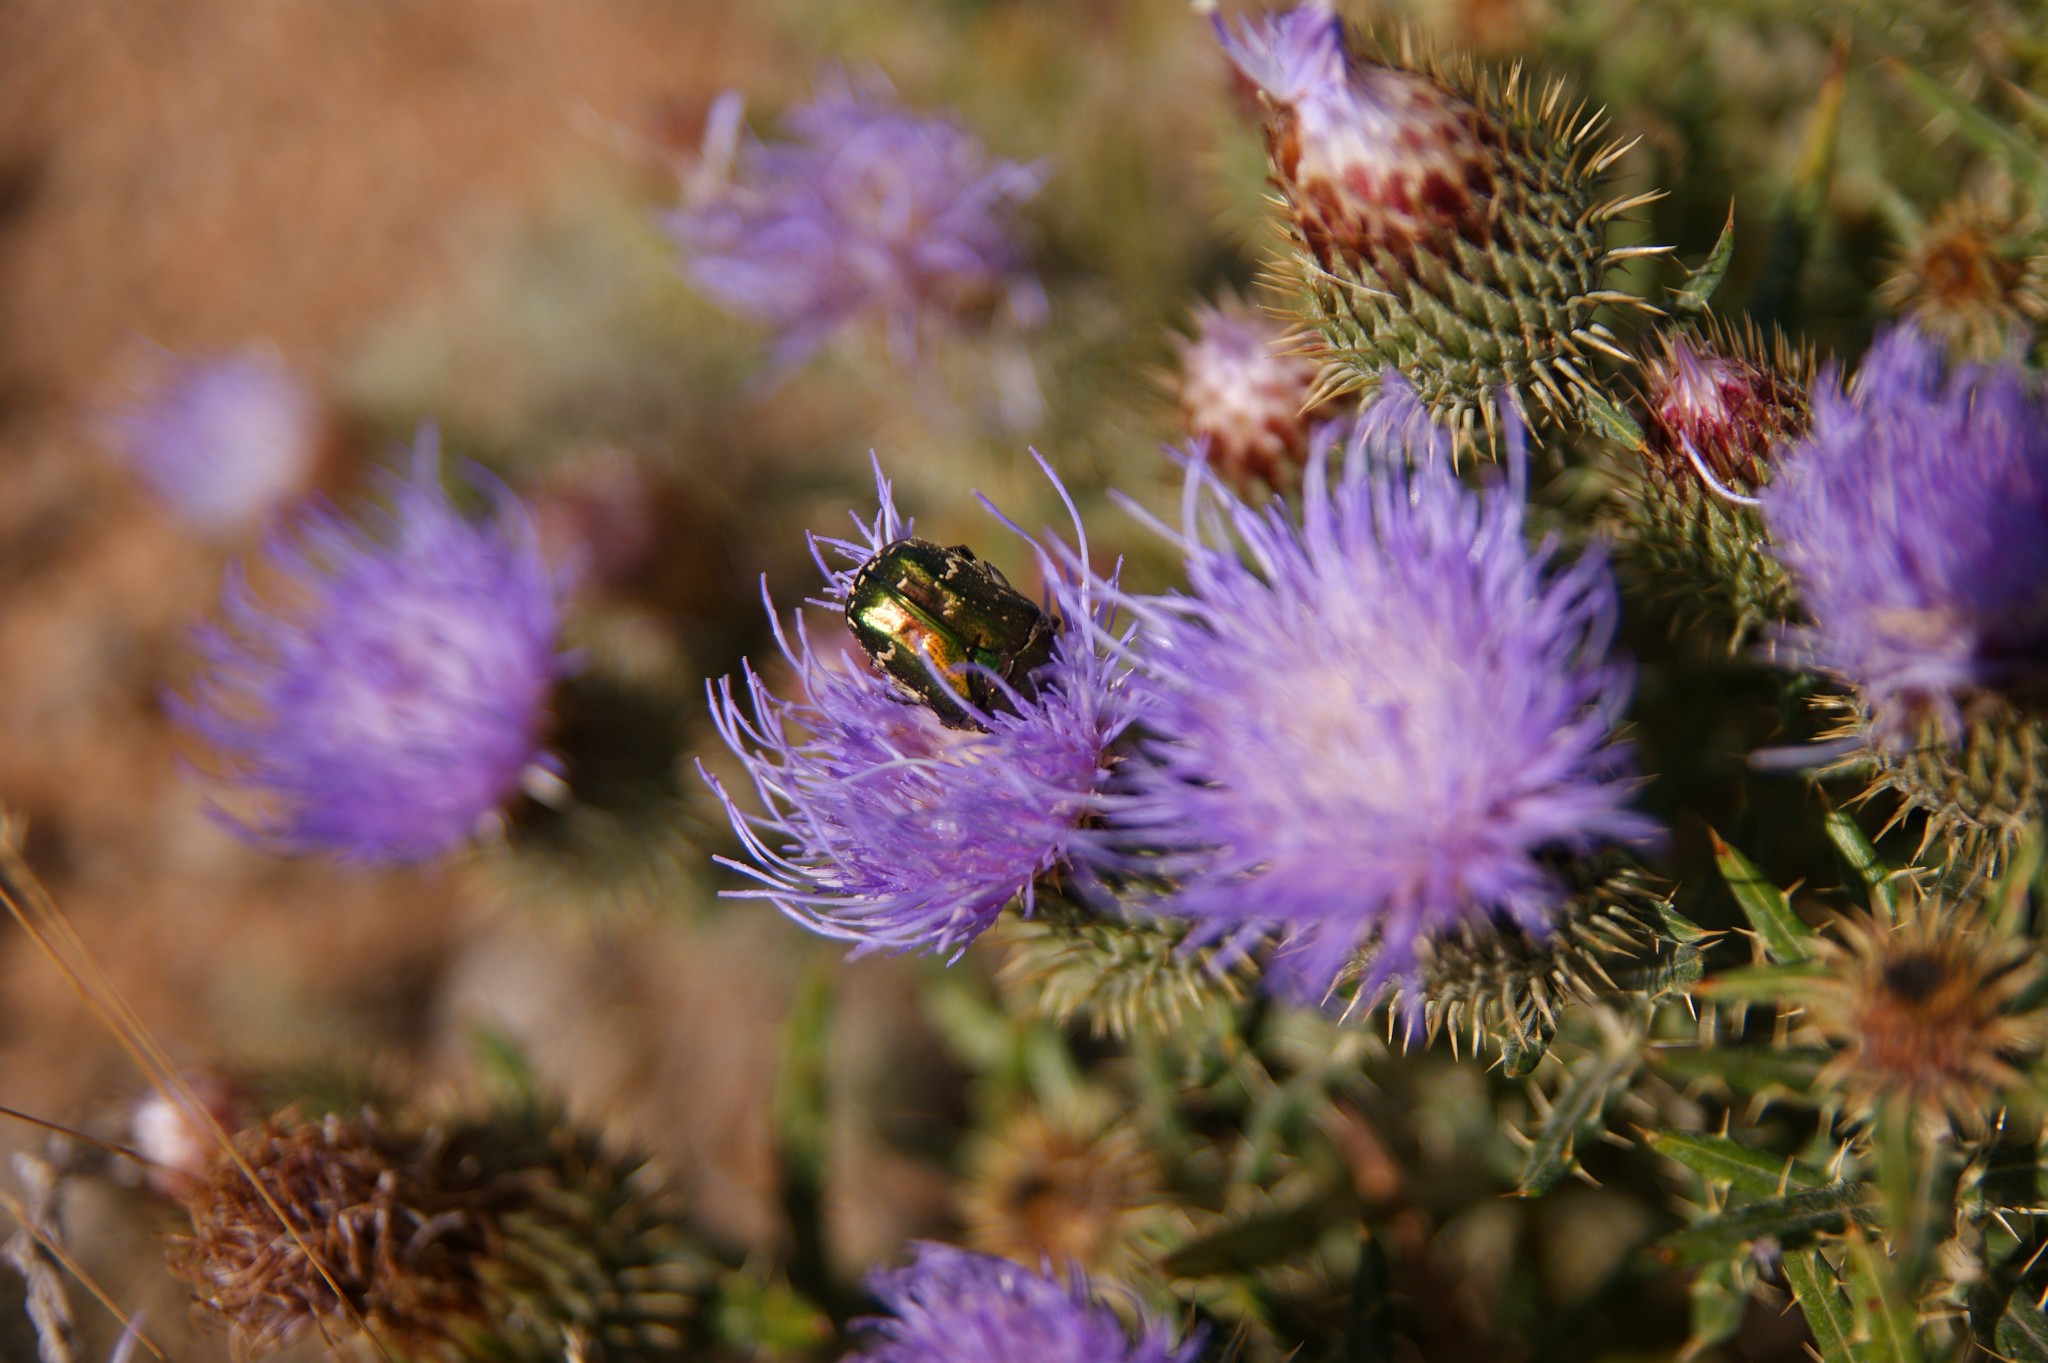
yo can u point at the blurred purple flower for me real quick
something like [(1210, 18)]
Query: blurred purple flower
[(869, 212), (1914, 518), (1382, 722), (885, 828), (397, 696), (952, 1306), (222, 440)]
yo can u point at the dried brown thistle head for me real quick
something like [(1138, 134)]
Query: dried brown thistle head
[(1928, 1005), (1059, 1191), (371, 1241)]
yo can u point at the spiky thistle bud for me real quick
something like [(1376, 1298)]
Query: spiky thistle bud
[(1450, 224), (1244, 394), (510, 1238), (1974, 277), (1495, 982), (1715, 403)]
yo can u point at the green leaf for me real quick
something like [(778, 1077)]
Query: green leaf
[(2010, 894), (1819, 1294), (1611, 421), (1748, 1069), (1753, 984), (1863, 859), (1752, 1173), (2022, 1333), (801, 1119), (1719, 1302), (2021, 156), (1702, 281), (1792, 1219), (1369, 1338), (1884, 1319), (1919, 1186), (1257, 1240), (1784, 936), (1593, 1083)]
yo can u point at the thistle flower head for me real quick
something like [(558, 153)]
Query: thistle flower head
[(222, 440), (949, 1305), (1243, 395), (869, 213), (882, 825), (1925, 1007), (396, 695), (1914, 518), (1381, 723)]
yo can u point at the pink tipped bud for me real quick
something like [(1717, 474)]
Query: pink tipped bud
[(1374, 161), (1726, 409), (1242, 393)]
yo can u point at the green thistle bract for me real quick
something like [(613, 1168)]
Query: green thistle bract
[(1449, 223)]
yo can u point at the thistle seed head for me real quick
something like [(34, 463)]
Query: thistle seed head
[(1059, 1190), (365, 1241), (1928, 1005), (1975, 277)]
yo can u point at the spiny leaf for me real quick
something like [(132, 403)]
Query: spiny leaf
[(1701, 282), (1370, 1336), (1719, 1303), (1611, 421), (1786, 939), (1791, 1219), (1752, 1173), (1762, 982), (2022, 157), (1748, 1069), (2022, 1333), (1884, 1319), (802, 1122), (1256, 1240), (1862, 857), (1593, 1084), (1819, 1294)]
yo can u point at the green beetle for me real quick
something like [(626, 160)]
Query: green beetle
[(916, 601)]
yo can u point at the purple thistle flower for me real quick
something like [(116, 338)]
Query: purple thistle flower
[(869, 212), (1914, 517), (884, 827), (223, 439), (397, 696), (951, 1306), (1382, 722)]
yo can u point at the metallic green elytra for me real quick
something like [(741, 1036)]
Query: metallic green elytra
[(916, 601)]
